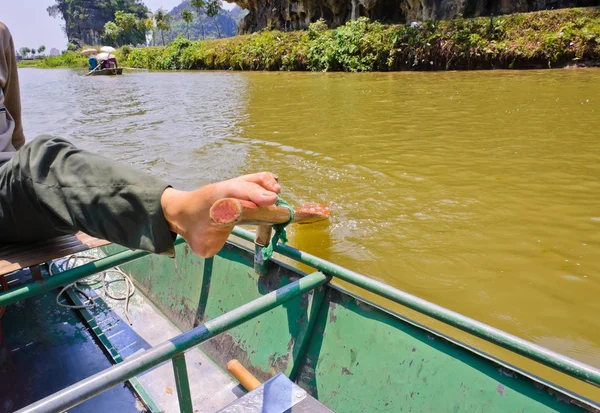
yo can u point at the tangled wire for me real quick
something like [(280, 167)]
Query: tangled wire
[(71, 262)]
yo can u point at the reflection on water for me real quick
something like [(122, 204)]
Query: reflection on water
[(478, 191)]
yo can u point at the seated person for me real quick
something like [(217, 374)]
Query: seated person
[(50, 188), (112, 63), (93, 62)]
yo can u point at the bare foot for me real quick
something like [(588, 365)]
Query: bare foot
[(187, 213)]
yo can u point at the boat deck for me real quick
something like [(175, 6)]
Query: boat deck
[(47, 347)]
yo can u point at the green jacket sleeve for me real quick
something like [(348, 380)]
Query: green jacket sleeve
[(51, 188)]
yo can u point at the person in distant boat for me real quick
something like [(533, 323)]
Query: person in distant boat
[(112, 63), (93, 62), (48, 187)]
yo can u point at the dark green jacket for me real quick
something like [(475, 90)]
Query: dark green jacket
[(52, 188)]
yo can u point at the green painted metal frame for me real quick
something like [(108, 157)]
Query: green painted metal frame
[(318, 298), (173, 349), (182, 383), (96, 384), (525, 348), (68, 277), (109, 349)]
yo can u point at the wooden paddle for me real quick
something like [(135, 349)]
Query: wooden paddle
[(231, 211), (93, 70)]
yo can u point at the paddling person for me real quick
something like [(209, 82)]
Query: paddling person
[(93, 62), (49, 187), (112, 62)]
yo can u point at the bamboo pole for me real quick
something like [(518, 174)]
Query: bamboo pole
[(231, 211)]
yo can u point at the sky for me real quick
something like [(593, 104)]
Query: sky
[(31, 26)]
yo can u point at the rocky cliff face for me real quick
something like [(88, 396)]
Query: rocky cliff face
[(88, 30), (85, 19), (298, 14)]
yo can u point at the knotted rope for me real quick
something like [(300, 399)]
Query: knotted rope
[(280, 233)]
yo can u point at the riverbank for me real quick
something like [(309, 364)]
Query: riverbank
[(69, 59), (543, 39)]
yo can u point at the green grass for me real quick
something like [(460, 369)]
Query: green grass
[(67, 59), (542, 39)]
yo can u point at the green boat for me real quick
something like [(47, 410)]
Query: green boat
[(106, 72), (314, 345)]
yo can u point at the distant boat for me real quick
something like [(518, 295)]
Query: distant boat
[(106, 72)]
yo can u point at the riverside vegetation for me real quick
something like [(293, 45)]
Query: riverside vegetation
[(524, 40)]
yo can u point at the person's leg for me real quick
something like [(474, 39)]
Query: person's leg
[(50, 188)]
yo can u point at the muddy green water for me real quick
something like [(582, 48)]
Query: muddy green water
[(479, 191)]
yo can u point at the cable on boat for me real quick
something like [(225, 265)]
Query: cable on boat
[(71, 262)]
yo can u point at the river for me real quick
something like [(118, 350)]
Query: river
[(479, 191)]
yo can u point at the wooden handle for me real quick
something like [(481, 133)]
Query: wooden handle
[(231, 211), (245, 378)]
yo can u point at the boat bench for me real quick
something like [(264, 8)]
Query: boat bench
[(14, 257)]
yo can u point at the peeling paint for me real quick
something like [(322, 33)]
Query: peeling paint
[(332, 317)]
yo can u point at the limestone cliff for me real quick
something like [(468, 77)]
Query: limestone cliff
[(298, 14), (85, 19)]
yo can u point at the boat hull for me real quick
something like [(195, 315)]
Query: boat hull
[(107, 72), (351, 355)]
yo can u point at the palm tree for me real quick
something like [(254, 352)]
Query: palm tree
[(162, 22), (213, 7), (41, 49), (199, 5), (187, 17)]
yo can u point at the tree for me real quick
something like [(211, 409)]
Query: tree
[(111, 32), (41, 49), (24, 51), (162, 20), (213, 7), (127, 22), (187, 17), (199, 6), (32, 51), (123, 29)]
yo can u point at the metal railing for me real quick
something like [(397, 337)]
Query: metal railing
[(174, 349)]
